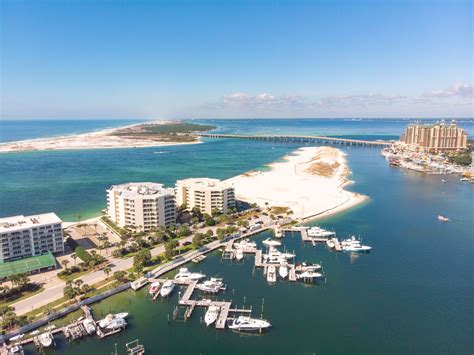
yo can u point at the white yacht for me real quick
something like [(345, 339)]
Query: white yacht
[(16, 350), (89, 326), (167, 288), (186, 275), (278, 233), (318, 232), (283, 271), (309, 275), (116, 323), (213, 285), (246, 243), (271, 274), (46, 339), (109, 318), (307, 267), (239, 254), (354, 245), (443, 218), (17, 337), (271, 242), (247, 324), (153, 289), (211, 315)]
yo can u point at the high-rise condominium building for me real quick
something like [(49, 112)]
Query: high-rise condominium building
[(144, 205), (207, 194), (26, 236), (434, 138)]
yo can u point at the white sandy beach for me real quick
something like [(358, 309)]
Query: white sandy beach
[(101, 139), (310, 182)]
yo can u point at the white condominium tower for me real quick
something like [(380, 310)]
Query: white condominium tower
[(144, 205), (207, 194), (26, 236)]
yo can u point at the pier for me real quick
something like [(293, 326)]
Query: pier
[(300, 139)]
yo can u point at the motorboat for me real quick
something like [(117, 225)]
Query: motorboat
[(109, 318), (318, 232), (16, 350), (443, 218), (167, 288), (153, 289), (35, 332), (309, 275), (50, 327), (278, 233), (271, 242), (354, 245), (211, 315), (246, 243), (116, 323), (89, 326), (17, 337), (185, 275), (271, 274), (213, 285), (283, 271), (307, 267), (247, 324), (46, 339), (444, 180), (330, 243), (239, 254)]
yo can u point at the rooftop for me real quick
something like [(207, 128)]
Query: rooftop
[(138, 189), (206, 183), (26, 265), (20, 222)]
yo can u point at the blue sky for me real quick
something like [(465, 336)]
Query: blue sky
[(181, 59)]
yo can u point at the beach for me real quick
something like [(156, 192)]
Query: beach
[(101, 139), (310, 182)]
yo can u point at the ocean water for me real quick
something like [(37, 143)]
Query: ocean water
[(413, 294)]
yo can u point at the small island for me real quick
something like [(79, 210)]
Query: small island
[(152, 134)]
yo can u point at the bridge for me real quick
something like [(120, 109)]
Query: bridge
[(300, 139)]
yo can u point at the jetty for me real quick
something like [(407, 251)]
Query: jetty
[(300, 139)]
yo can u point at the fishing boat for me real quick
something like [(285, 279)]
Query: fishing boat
[(211, 315), (239, 254), (89, 326), (185, 275), (16, 350), (271, 274), (247, 324), (153, 289), (271, 242), (443, 218), (46, 339), (283, 271), (168, 287)]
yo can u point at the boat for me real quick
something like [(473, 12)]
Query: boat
[(167, 288), (17, 337), (283, 271), (354, 245), (16, 350), (307, 267), (271, 242), (50, 327), (213, 285), (318, 232), (46, 339), (309, 275), (271, 274), (116, 323), (443, 218), (247, 324), (444, 180), (185, 275), (246, 243), (464, 179), (109, 318), (330, 243), (278, 233), (239, 254), (89, 326), (35, 332), (211, 315), (153, 288)]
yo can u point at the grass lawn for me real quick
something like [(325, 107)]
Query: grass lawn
[(24, 295)]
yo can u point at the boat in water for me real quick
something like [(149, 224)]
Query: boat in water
[(89, 326), (283, 271), (16, 350), (271, 242), (116, 323), (271, 274), (211, 315), (307, 267), (153, 289), (278, 232), (246, 243), (213, 285), (109, 318), (443, 218), (167, 288), (239, 254), (354, 245), (46, 339), (331, 243), (247, 324), (185, 275), (309, 275), (318, 232), (17, 337)]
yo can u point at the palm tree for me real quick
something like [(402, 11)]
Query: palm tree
[(74, 257), (65, 263), (107, 271)]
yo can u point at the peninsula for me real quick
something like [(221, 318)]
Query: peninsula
[(161, 133)]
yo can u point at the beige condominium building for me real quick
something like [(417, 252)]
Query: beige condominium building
[(26, 236), (434, 138), (144, 205), (207, 194)]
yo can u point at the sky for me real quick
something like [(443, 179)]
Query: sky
[(236, 59)]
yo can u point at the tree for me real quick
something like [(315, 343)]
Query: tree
[(120, 276), (210, 221), (170, 248), (198, 240), (74, 257), (220, 233), (65, 263), (22, 280), (107, 271), (9, 319), (141, 259), (69, 292), (183, 231), (209, 233)]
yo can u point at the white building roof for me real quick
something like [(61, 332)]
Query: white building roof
[(21, 222), (142, 189), (205, 184)]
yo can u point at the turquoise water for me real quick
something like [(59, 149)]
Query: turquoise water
[(413, 294)]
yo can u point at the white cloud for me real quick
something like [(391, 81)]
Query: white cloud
[(457, 90)]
